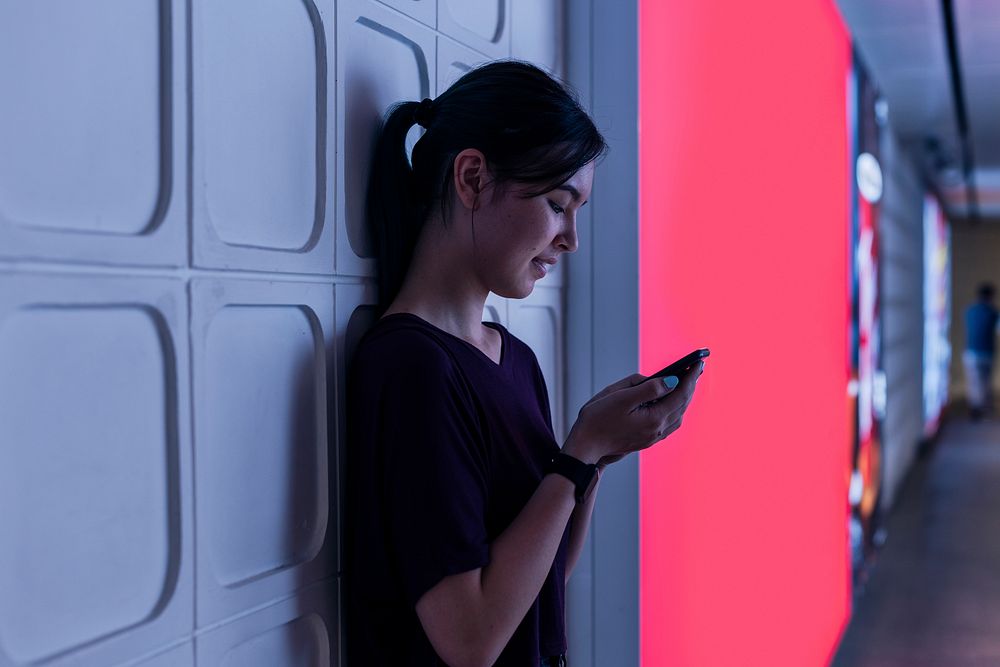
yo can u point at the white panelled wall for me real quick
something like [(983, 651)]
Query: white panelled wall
[(901, 240), (183, 274)]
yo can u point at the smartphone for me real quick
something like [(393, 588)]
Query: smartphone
[(682, 365)]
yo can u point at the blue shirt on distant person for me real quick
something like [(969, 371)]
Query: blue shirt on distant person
[(980, 328)]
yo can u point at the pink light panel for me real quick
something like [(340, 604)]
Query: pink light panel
[(743, 248)]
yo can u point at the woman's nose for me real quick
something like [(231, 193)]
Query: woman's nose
[(570, 241)]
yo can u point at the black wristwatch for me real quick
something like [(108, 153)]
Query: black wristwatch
[(583, 475)]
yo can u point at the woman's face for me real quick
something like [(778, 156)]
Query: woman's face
[(518, 240)]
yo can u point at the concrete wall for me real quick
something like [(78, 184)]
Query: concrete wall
[(183, 273)]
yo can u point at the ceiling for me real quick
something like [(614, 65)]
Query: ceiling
[(904, 44)]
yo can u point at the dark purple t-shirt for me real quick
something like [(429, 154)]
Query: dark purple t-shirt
[(444, 449)]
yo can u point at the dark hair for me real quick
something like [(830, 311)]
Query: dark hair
[(985, 291), (531, 129)]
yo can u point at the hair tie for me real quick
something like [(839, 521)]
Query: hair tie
[(423, 115)]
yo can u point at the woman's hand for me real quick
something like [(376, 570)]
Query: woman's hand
[(628, 416)]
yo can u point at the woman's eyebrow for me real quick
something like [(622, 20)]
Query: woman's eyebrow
[(573, 191)]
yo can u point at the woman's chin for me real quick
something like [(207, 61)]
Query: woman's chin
[(516, 292)]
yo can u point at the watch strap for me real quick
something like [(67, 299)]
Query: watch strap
[(581, 474)]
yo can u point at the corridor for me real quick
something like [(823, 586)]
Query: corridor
[(933, 599)]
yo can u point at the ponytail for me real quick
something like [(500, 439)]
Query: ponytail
[(393, 219)]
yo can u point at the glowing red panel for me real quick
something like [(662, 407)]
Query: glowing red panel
[(743, 248)]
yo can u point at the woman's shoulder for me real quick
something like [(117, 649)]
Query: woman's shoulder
[(396, 358), (402, 345), (401, 335)]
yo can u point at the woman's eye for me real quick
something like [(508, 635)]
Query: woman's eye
[(556, 207)]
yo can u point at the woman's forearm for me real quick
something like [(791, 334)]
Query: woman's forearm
[(579, 524), (470, 617)]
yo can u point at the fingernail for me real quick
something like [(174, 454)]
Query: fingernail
[(670, 381)]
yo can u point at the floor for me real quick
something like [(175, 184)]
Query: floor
[(933, 598)]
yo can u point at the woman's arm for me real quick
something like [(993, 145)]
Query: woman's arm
[(470, 617), (578, 528)]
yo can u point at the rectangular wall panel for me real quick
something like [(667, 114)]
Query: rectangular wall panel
[(483, 25), (296, 632), (95, 469), (263, 105), (262, 359), (93, 167)]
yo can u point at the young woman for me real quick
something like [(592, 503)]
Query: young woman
[(464, 516)]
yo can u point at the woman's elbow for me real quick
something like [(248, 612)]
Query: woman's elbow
[(469, 651), (457, 624)]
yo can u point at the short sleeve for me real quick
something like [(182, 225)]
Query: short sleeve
[(436, 469)]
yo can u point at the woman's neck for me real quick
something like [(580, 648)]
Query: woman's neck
[(442, 289)]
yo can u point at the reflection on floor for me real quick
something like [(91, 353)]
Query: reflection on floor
[(934, 596)]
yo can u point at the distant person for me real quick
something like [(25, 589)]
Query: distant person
[(980, 347)]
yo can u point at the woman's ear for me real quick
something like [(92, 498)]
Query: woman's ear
[(470, 177)]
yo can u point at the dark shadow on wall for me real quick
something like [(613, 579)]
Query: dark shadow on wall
[(311, 490)]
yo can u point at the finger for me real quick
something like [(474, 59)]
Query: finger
[(635, 379), (678, 404), (630, 381), (654, 390), (624, 383), (690, 380)]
